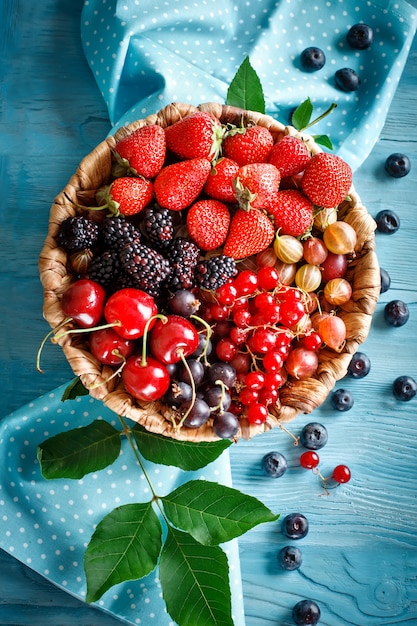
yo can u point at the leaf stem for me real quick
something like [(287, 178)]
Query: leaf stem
[(320, 117), (127, 431)]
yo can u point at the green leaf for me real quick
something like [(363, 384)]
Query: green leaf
[(74, 389), (79, 451), (245, 91), (186, 455), (302, 115), (125, 546), (195, 581), (323, 140), (214, 513)]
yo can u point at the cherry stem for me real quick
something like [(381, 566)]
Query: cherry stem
[(45, 339), (320, 117), (164, 319), (74, 331), (193, 392)]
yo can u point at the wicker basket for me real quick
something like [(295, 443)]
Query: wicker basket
[(297, 396)]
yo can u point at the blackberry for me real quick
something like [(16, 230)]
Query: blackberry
[(158, 225), (105, 268), (183, 256), (115, 232), (77, 233), (212, 273), (145, 268)]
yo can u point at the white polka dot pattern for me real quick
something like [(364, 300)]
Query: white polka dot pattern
[(145, 54), (47, 524)]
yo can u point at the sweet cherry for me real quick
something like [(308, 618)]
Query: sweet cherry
[(129, 310), (145, 379), (83, 301), (173, 338), (109, 347)]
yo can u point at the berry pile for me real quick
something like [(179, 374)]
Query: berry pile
[(212, 269)]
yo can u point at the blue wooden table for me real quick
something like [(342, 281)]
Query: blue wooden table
[(360, 557)]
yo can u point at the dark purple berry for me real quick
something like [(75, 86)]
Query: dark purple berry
[(295, 526), (385, 280), (192, 368), (342, 400), (290, 558), (184, 302), (347, 79), (313, 436), (387, 221), (404, 388), (396, 313), (397, 165), (178, 393), (224, 372), (306, 613), (274, 464), (312, 59), (360, 365), (197, 413), (218, 398), (360, 36), (225, 425)]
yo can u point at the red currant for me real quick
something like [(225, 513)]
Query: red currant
[(272, 361), (257, 413), (262, 340), (226, 294), (226, 350), (246, 282), (254, 380), (248, 396), (313, 341), (291, 311), (341, 474), (268, 278), (309, 459)]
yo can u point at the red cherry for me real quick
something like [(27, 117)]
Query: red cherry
[(109, 347), (341, 474), (147, 381), (83, 301), (172, 338), (131, 309)]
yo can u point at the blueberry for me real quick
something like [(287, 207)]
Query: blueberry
[(274, 464), (360, 365), (360, 36), (397, 165), (342, 400), (385, 280), (306, 612), (387, 221), (347, 79), (404, 388), (312, 59), (295, 526), (396, 313), (290, 558), (313, 436)]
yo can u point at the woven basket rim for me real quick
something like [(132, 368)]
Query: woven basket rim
[(296, 396)]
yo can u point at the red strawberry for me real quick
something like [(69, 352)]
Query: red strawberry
[(292, 213), (208, 223), (197, 135), (250, 232), (256, 185), (290, 155), (127, 195), (219, 183), (248, 145), (178, 185), (141, 153), (327, 179)]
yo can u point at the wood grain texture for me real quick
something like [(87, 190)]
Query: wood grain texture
[(360, 556)]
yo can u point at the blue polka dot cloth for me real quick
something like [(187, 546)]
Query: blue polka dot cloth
[(145, 54), (47, 524)]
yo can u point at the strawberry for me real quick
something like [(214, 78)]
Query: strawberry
[(292, 213), (290, 155), (142, 153), (197, 135), (126, 195), (256, 185), (219, 183), (248, 145), (208, 223), (327, 180), (250, 232), (178, 185)]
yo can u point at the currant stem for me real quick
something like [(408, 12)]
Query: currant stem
[(282, 427)]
